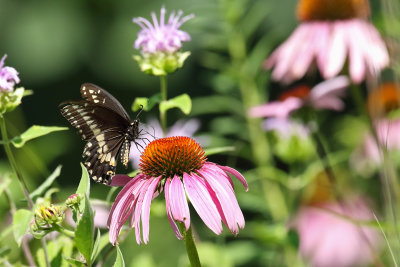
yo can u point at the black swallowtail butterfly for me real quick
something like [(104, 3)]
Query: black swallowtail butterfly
[(107, 128)]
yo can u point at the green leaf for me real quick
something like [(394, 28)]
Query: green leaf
[(34, 132), (183, 102), (95, 251), (218, 150), (101, 242), (46, 184), (75, 263), (217, 104), (84, 186), (147, 103), (119, 261), (84, 233), (21, 221)]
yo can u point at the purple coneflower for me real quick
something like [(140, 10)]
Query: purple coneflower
[(8, 77), (325, 95), (178, 166), (161, 37), (330, 235), (331, 32)]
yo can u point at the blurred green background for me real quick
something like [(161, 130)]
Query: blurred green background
[(58, 45)]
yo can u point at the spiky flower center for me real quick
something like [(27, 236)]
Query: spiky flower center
[(301, 92), (332, 9), (171, 156)]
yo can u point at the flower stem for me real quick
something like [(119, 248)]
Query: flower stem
[(191, 249), (164, 95), (14, 166), (13, 163), (64, 231)]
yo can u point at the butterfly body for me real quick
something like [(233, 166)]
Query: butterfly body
[(106, 127)]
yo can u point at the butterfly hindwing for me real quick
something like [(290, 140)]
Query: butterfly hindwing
[(105, 125)]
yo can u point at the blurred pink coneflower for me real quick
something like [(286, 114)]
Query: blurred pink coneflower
[(330, 32)]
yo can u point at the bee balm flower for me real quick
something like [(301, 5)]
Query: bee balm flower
[(8, 77), (179, 166), (160, 43)]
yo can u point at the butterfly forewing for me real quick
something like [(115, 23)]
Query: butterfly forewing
[(100, 97), (104, 124)]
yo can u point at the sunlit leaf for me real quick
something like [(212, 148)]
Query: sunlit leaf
[(34, 132), (21, 221), (183, 102), (218, 150), (119, 261), (47, 183), (84, 186), (84, 233)]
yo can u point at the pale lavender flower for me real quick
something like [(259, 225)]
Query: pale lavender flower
[(329, 44), (154, 129), (161, 36), (8, 77), (325, 95), (178, 166), (329, 237), (286, 127)]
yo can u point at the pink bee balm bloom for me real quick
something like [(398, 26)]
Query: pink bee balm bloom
[(8, 77), (329, 43), (325, 95), (329, 237), (179, 166), (161, 37)]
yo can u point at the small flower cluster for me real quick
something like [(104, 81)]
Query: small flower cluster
[(9, 98)]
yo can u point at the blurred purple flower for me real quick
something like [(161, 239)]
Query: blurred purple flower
[(161, 37), (177, 165), (8, 77), (286, 128), (328, 238), (180, 128), (325, 95), (329, 43)]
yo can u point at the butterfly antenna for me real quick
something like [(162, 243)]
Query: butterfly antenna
[(139, 111)]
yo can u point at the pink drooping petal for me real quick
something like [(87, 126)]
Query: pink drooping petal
[(146, 208), (327, 94), (217, 171), (280, 109), (336, 51), (169, 213), (138, 209), (237, 175), (121, 209), (227, 200), (306, 51), (128, 188), (357, 64), (120, 180), (202, 202), (179, 205)]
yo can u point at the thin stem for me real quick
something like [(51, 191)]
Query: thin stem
[(191, 249), (164, 95), (13, 163), (14, 166), (64, 231)]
